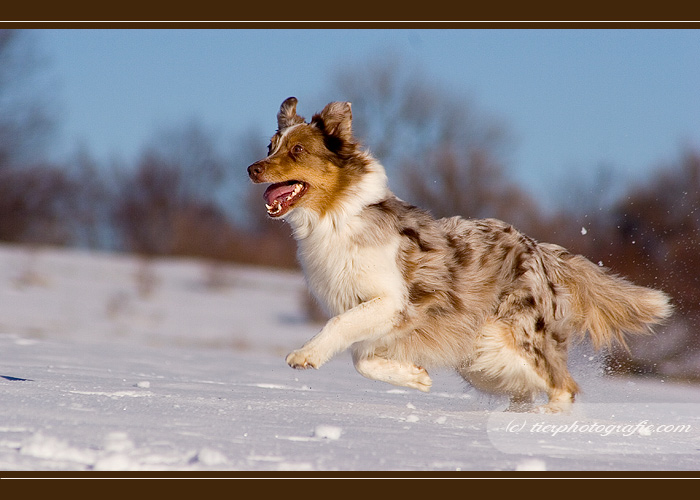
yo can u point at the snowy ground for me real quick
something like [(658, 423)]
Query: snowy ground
[(111, 363)]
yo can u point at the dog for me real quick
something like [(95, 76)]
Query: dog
[(408, 292)]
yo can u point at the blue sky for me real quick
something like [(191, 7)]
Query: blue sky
[(572, 99)]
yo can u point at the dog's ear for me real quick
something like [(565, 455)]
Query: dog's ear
[(336, 120), (287, 115)]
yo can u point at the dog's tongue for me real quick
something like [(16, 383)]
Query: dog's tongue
[(278, 192)]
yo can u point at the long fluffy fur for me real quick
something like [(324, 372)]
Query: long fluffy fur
[(410, 293)]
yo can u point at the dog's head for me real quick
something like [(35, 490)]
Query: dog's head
[(311, 164)]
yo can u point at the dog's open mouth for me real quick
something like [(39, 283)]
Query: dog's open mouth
[(280, 197)]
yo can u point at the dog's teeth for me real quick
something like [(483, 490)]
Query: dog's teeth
[(275, 208)]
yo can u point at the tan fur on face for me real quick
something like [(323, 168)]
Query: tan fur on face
[(312, 165), (316, 154)]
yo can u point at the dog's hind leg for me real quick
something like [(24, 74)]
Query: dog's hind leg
[(560, 401), (521, 403), (522, 364), (393, 372)]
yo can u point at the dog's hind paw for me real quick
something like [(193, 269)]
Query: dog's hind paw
[(394, 372), (420, 379), (554, 407)]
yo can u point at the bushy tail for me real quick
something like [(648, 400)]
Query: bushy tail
[(608, 306)]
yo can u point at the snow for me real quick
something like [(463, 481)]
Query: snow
[(533, 464), (115, 363), (328, 432)]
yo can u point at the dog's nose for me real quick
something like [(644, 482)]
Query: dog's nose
[(255, 170)]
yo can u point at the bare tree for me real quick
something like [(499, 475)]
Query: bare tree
[(192, 152), (659, 224), (33, 193), (26, 122), (92, 201), (150, 202), (448, 157), (171, 203), (652, 236), (33, 201)]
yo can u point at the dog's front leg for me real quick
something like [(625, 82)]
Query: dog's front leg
[(367, 321)]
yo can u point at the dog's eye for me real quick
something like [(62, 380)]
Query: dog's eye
[(298, 148)]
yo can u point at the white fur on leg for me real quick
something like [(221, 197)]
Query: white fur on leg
[(393, 372), (498, 367), (560, 401), (368, 321)]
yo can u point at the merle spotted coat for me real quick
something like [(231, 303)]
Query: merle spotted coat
[(409, 292)]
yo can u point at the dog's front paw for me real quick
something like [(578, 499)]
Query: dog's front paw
[(302, 360)]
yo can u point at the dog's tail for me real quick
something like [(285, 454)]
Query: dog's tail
[(608, 306)]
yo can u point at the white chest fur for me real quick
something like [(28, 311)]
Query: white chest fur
[(342, 274)]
